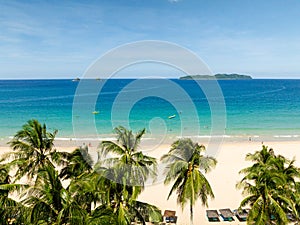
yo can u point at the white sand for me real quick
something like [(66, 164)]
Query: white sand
[(223, 178)]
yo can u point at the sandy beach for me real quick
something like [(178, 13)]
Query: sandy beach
[(223, 179)]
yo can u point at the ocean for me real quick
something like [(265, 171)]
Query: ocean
[(254, 109)]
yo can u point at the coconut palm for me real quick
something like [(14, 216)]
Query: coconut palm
[(34, 155), (268, 183), (45, 196), (79, 162), (81, 174), (127, 166), (102, 215), (124, 171), (130, 165), (6, 204), (11, 211), (90, 197), (120, 209), (295, 196), (33, 149), (50, 202), (117, 202), (185, 166), (289, 189), (4, 179)]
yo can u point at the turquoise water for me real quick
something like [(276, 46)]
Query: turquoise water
[(253, 107)]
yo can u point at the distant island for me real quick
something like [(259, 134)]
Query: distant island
[(219, 76)]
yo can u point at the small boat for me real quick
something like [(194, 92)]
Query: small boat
[(76, 79), (171, 117), (95, 112)]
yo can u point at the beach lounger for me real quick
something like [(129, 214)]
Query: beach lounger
[(241, 214), (226, 214), (212, 216), (170, 216)]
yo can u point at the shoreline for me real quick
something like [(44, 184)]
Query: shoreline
[(168, 139)]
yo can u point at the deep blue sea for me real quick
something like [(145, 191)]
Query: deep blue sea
[(233, 108)]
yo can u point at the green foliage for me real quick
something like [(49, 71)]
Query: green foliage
[(129, 166), (11, 211), (185, 162), (79, 163), (88, 196), (33, 148), (271, 186), (125, 175)]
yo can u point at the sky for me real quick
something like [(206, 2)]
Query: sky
[(61, 39)]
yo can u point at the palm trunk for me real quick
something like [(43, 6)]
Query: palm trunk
[(191, 214)]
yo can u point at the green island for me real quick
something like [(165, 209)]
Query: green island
[(219, 76)]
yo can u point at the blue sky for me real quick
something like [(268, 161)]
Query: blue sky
[(60, 39)]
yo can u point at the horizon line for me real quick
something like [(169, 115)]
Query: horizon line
[(146, 78)]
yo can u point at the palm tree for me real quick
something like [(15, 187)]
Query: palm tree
[(291, 175), (295, 196), (269, 183), (119, 204), (90, 197), (11, 211), (102, 215), (4, 179), (79, 162), (33, 149), (80, 172), (45, 196), (6, 204), (132, 167), (124, 174), (50, 202), (34, 155), (185, 165)]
